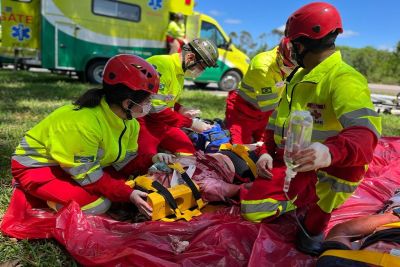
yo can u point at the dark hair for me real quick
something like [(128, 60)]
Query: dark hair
[(318, 45), (114, 94)]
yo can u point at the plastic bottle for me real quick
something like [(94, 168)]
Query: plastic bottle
[(298, 137)]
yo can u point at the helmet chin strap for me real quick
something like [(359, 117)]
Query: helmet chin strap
[(128, 111), (185, 51), (299, 57)]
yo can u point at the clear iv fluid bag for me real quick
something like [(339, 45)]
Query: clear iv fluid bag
[(298, 137), (298, 134)]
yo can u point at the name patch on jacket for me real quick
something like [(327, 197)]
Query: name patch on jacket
[(83, 159), (266, 90), (280, 84), (316, 112)]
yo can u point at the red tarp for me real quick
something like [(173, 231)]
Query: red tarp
[(221, 238)]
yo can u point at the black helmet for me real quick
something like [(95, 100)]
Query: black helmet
[(207, 51)]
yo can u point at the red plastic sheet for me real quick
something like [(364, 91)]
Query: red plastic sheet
[(221, 238)]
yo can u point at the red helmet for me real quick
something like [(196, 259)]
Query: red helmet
[(313, 21), (132, 71), (284, 51)]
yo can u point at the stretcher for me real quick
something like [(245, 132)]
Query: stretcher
[(182, 201)]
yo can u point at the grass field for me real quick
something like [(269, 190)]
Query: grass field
[(26, 98)]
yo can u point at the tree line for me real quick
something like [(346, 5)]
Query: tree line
[(379, 66)]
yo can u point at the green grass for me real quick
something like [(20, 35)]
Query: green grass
[(26, 98)]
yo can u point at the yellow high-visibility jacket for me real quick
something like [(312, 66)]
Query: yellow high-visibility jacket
[(263, 83), (337, 97), (81, 142), (176, 30), (171, 81)]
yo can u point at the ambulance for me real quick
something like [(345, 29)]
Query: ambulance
[(81, 35)]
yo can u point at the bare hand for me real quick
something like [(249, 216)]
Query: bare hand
[(137, 198), (189, 112), (200, 126), (163, 157)]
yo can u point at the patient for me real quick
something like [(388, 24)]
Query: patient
[(377, 233), (219, 175)]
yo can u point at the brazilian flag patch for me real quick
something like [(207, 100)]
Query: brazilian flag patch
[(83, 159), (266, 90)]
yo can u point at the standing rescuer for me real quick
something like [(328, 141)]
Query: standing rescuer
[(161, 127), (345, 130), (84, 151), (176, 33), (248, 108)]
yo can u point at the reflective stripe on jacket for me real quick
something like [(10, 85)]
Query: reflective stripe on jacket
[(262, 85), (336, 95), (171, 81), (338, 98), (81, 142)]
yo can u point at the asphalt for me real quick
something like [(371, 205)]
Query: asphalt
[(377, 89), (212, 88)]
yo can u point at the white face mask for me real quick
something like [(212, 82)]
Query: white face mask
[(287, 70), (193, 73), (145, 110)]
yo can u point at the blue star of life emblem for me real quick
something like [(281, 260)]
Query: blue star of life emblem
[(20, 32), (155, 4)]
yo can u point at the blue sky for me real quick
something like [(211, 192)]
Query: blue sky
[(373, 23)]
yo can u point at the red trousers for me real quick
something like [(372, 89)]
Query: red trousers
[(54, 184), (154, 135), (245, 122), (171, 42), (302, 187)]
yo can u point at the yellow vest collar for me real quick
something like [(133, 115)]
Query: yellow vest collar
[(276, 61), (110, 116), (176, 59), (318, 72)]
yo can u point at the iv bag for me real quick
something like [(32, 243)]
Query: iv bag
[(298, 134)]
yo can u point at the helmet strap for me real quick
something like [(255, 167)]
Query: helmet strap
[(185, 50), (299, 57), (128, 111), (189, 66)]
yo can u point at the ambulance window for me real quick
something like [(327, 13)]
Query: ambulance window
[(210, 31), (115, 9)]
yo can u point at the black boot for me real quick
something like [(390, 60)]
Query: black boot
[(311, 245)]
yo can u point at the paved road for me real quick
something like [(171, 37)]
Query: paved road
[(382, 89), (212, 88)]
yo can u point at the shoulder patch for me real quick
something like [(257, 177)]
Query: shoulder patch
[(266, 90), (83, 159)]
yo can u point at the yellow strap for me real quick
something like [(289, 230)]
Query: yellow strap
[(130, 183), (142, 181), (243, 152), (371, 257), (177, 166), (392, 225), (187, 215), (200, 203)]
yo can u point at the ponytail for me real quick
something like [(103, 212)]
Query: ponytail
[(114, 95), (90, 99)]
